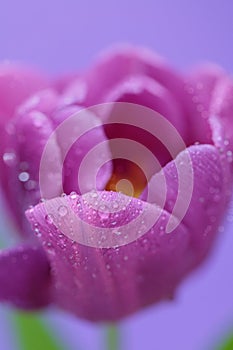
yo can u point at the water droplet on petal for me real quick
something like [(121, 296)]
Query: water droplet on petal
[(113, 223), (9, 158), (115, 205), (117, 232), (38, 119), (62, 210), (50, 249), (30, 185), (49, 218), (37, 232), (94, 194), (24, 176), (103, 212), (201, 200), (73, 195)]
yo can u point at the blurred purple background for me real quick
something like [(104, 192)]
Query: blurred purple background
[(64, 35)]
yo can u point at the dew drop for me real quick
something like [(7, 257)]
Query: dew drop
[(73, 195), (62, 245), (38, 119), (201, 200), (103, 212), (37, 232), (62, 210), (115, 205), (94, 194), (117, 232), (30, 185), (24, 176), (9, 158), (113, 223), (49, 218)]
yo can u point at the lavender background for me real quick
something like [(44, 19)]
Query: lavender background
[(61, 35)]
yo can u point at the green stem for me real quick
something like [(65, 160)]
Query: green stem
[(33, 334), (113, 341)]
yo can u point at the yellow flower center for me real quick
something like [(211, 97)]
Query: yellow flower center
[(127, 178)]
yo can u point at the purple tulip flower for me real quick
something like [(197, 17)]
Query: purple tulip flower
[(108, 282)]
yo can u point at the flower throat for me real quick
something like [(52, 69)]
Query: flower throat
[(127, 178)]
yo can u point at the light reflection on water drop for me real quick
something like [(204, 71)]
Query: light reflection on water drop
[(9, 158)]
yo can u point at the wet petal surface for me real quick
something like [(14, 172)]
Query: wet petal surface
[(132, 273), (25, 277)]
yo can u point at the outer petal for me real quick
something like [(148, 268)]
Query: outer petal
[(32, 131), (121, 62), (199, 88), (75, 92), (209, 196), (45, 101), (62, 82), (109, 283), (25, 277), (222, 108), (16, 84)]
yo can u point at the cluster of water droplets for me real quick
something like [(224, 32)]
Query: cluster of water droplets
[(195, 92), (98, 219), (12, 158)]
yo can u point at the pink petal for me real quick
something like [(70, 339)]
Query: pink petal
[(45, 101), (222, 108), (75, 92), (32, 131), (121, 62), (208, 198), (77, 133), (62, 82), (16, 84), (146, 92), (112, 282), (25, 277), (199, 89)]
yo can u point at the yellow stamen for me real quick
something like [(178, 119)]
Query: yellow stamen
[(127, 178)]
